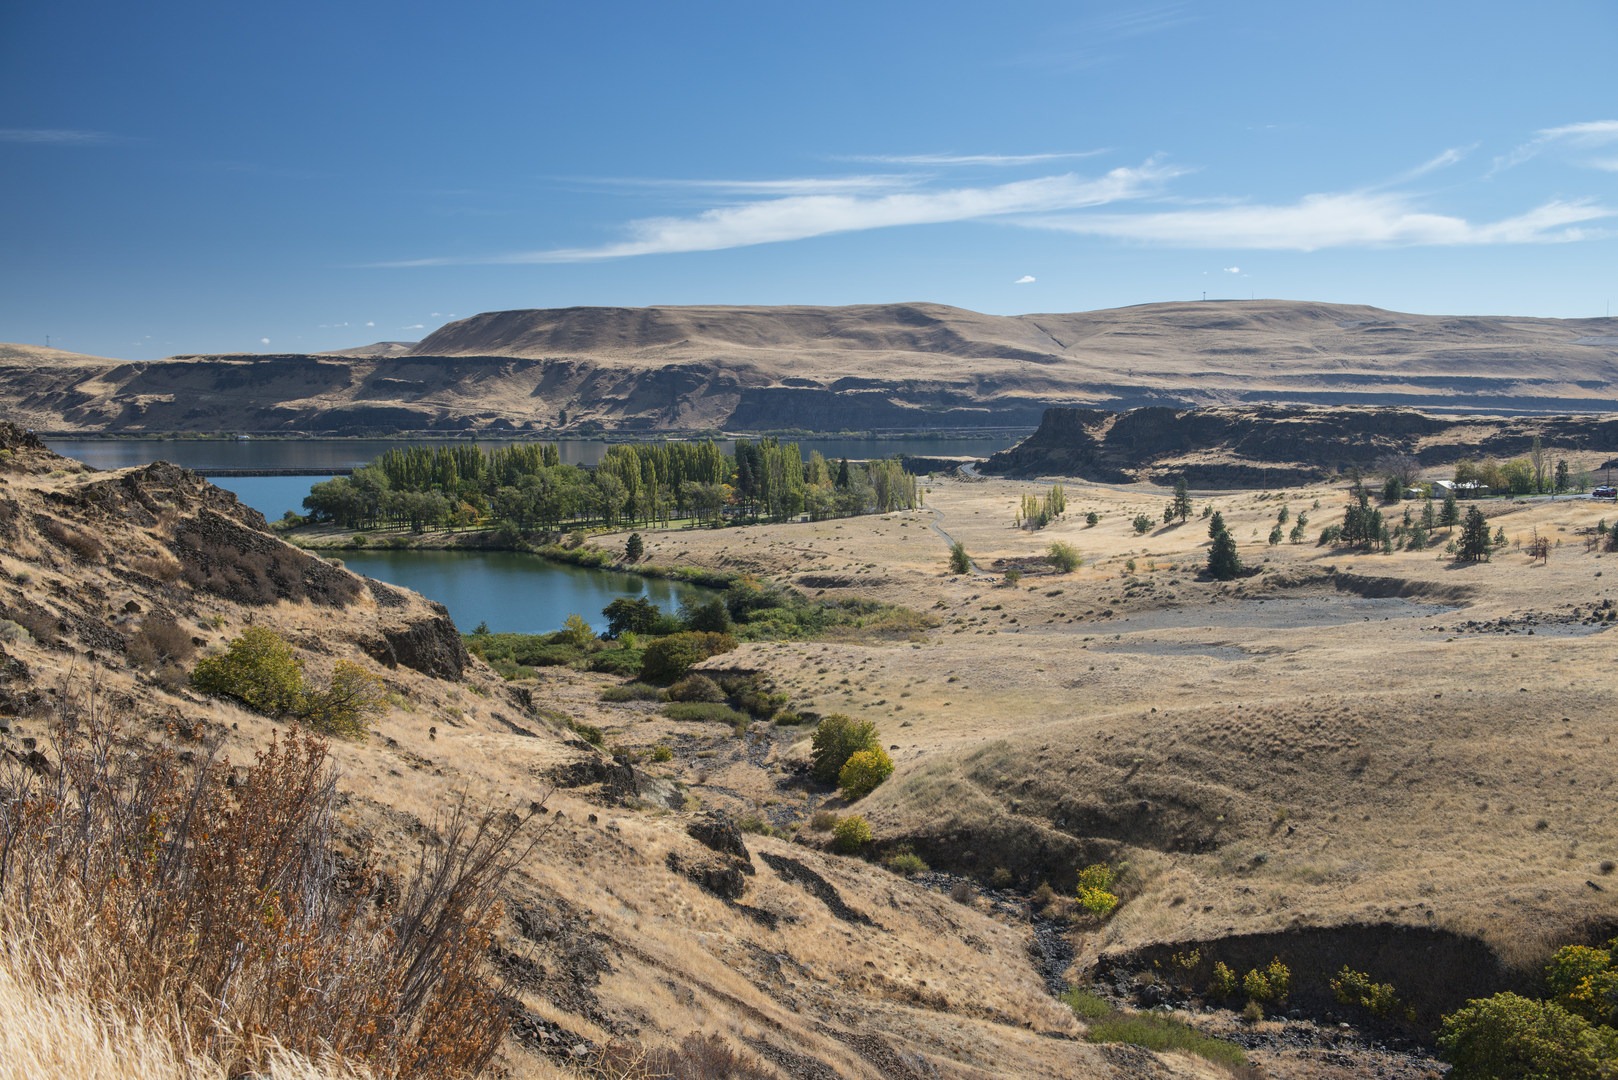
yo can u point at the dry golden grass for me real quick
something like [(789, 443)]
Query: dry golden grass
[(1406, 769), (62, 1025), (1388, 769)]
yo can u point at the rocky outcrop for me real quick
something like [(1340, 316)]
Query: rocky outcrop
[(718, 831), (1263, 446), (156, 554), (431, 646)]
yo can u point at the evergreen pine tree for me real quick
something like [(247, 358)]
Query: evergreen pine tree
[(1474, 545), (1182, 499), (1451, 513), (1223, 563)]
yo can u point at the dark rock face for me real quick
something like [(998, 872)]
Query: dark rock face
[(720, 876), (239, 563), (18, 696), (716, 829), (616, 776), (1259, 446), (432, 647)]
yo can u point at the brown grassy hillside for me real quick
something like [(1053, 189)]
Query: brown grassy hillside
[(112, 584), (889, 366)]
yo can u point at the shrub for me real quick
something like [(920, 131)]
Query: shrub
[(1142, 523), (864, 771), (662, 752), (352, 699), (838, 738), (698, 1057), (696, 688), (85, 547), (576, 632), (1272, 982), (959, 561), (623, 661), (822, 821), (1092, 519), (1223, 983), (1584, 981), (752, 694), (634, 548), (635, 691), (1356, 988), (667, 659), (232, 922), (1161, 1033), (851, 833), (588, 732), (1510, 1036), (1065, 557), (258, 669), (1087, 1005), (1095, 890), (707, 712), (906, 862), (161, 567)]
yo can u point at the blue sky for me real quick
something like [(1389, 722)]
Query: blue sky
[(206, 177)]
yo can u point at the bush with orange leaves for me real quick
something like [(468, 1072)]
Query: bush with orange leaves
[(212, 900)]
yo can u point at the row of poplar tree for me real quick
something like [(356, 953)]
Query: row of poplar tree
[(526, 486)]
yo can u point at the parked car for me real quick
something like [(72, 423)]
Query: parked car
[(1605, 491)]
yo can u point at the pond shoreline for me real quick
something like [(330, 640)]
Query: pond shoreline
[(322, 539)]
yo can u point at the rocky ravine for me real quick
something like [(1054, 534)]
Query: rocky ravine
[(869, 367), (628, 922)]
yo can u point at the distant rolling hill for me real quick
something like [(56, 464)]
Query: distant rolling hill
[(867, 367)]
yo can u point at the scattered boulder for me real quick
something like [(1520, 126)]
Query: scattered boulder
[(721, 876), (717, 830), (431, 646)]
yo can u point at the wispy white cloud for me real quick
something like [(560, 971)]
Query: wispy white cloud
[(1026, 279), (803, 185), (58, 136), (799, 217), (1351, 219), (1095, 41), (263, 341), (1233, 269), (1583, 136), (996, 160), (370, 324), (414, 326), (1452, 156)]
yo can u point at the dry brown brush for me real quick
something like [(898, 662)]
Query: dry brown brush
[(214, 900)]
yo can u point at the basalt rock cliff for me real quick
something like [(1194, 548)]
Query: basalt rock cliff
[(1224, 447), (870, 367)]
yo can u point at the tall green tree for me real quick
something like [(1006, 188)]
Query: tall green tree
[(959, 561), (1475, 543), (1223, 562), (1182, 500), (1450, 515)]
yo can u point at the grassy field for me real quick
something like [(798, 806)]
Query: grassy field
[(1342, 757)]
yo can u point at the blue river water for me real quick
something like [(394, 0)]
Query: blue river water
[(509, 591)]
